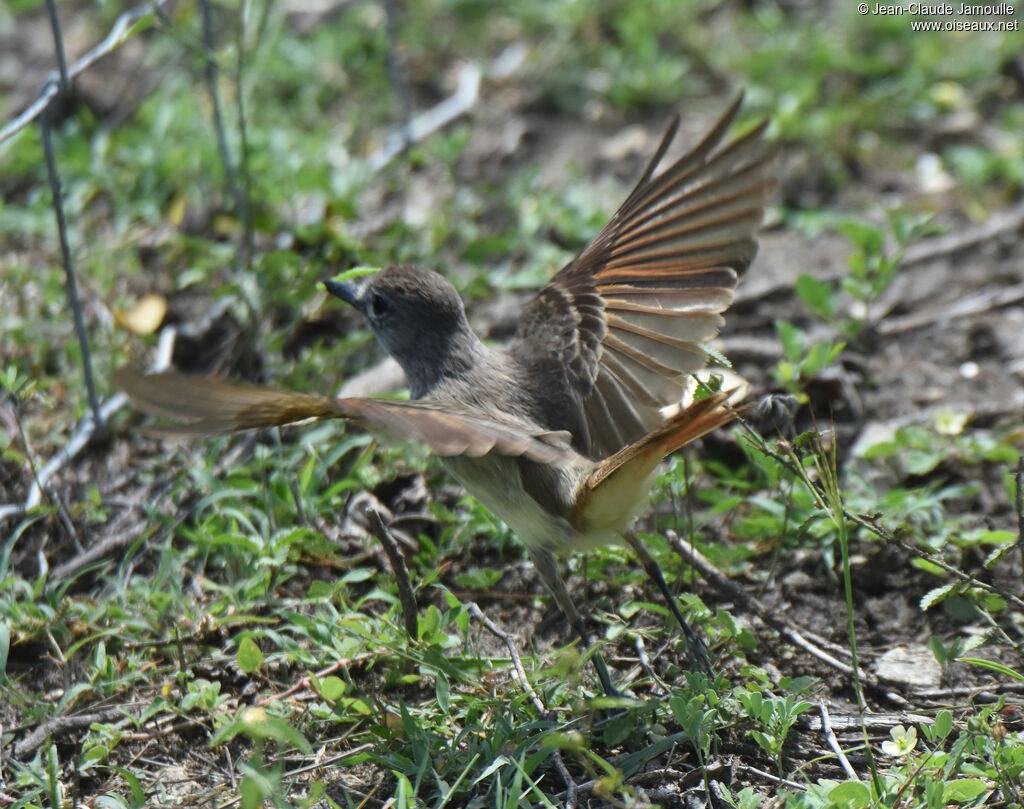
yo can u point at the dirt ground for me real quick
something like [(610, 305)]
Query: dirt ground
[(948, 335)]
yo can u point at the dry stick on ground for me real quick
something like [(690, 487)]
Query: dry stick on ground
[(1005, 222), (87, 428), (306, 683), (517, 664), (694, 558), (316, 765), (774, 779), (987, 692), (118, 538), (405, 594), (168, 728), (976, 304), (462, 100), (646, 666), (827, 645), (60, 726), (119, 33), (122, 539), (833, 742), (83, 435)]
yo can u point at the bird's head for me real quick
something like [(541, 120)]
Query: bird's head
[(417, 316)]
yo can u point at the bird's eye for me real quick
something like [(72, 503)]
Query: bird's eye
[(379, 306)]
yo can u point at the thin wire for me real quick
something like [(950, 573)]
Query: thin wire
[(71, 284), (243, 137), (211, 73), (58, 44), (52, 86)]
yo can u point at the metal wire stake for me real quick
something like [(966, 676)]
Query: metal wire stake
[(58, 44), (211, 73), (71, 283)]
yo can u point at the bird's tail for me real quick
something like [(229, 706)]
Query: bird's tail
[(620, 484)]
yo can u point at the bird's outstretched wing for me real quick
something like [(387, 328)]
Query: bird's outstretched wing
[(210, 405), (626, 318)]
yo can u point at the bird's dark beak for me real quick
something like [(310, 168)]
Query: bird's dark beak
[(348, 291)]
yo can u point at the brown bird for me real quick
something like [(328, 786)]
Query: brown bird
[(561, 431)]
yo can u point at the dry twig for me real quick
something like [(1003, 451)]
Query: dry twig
[(694, 558), (833, 742), (405, 593)]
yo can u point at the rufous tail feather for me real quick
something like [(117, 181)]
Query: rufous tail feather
[(619, 485)]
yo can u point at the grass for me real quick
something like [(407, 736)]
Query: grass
[(246, 643)]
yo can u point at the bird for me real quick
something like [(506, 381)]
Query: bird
[(559, 432)]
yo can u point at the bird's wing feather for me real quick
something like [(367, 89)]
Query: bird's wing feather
[(626, 318), (210, 405)]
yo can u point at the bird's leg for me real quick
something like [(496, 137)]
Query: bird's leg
[(547, 566), (694, 644)]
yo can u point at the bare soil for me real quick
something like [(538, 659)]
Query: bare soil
[(948, 335)]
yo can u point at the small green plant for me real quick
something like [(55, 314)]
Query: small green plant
[(929, 778), (697, 712), (845, 305), (802, 362), (873, 266), (774, 717)]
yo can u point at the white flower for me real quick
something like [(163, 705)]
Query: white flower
[(903, 741)]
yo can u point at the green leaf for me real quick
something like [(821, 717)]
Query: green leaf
[(943, 724), (443, 690), (997, 555), (866, 238), (618, 729), (478, 578), (767, 743), (332, 688), (816, 295), (991, 665), (110, 802), (820, 356), (927, 566), (356, 705), (852, 794), (429, 622), (5, 648), (963, 789), (714, 355), (941, 652), (933, 597), (250, 658), (138, 792), (252, 793), (257, 724), (571, 740), (922, 462), (493, 767), (319, 590), (792, 339)]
